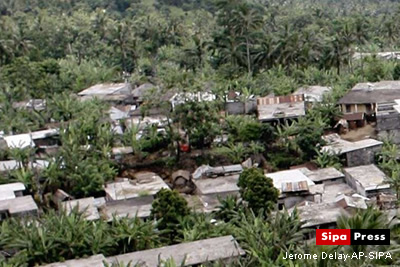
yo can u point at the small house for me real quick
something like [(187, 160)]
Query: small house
[(364, 97), (131, 208), (114, 93), (280, 108), (367, 180), (16, 207), (144, 184), (88, 206), (320, 216), (326, 176), (355, 153), (294, 187)]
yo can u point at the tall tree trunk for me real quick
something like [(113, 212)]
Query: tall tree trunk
[(248, 55)]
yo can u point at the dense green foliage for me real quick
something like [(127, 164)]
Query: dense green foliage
[(257, 190), (52, 49)]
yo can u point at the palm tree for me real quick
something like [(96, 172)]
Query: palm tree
[(246, 22)]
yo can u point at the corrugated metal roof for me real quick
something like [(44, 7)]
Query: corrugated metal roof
[(294, 186), (280, 99)]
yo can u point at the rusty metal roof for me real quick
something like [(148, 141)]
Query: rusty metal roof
[(294, 186), (280, 99)]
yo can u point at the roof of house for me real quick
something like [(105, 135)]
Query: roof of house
[(337, 145), (18, 205), (88, 206), (332, 191), (8, 165), (93, 261), (324, 174), (136, 207), (117, 114), (122, 150), (106, 89), (148, 183), (140, 91), (7, 191), (370, 177), (319, 214), (355, 201), (364, 93), (189, 253), (19, 141), (271, 108), (218, 185), (208, 171), (295, 177)]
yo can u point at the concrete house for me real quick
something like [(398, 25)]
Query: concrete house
[(355, 153), (326, 176), (115, 93), (18, 206), (320, 216), (294, 187), (279, 108), (367, 180), (365, 97), (388, 120), (11, 191), (145, 184), (88, 206), (131, 208)]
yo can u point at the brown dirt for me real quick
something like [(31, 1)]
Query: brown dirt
[(368, 131)]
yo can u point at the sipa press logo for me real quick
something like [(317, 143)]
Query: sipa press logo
[(353, 237)]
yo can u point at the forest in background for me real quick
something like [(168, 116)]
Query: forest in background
[(52, 48)]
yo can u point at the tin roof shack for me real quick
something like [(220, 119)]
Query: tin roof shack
[(19, 206), (326, 176), (88, 206), (145, 184), (206, 171), (320, 216), (185, 254), (314, 93), (12, 190), (367, 180), (115, 93), (93, 261), (131, 208), (355, 153), (364, 97), (276, 109), (294, 187)]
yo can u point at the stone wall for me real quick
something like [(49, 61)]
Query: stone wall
[(363, 156)]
